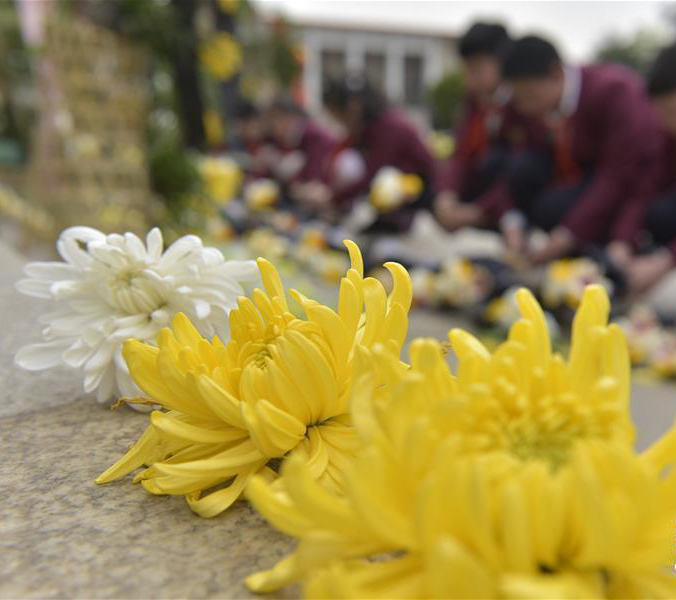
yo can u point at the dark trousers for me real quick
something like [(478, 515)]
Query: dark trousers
[(660, 219), (486, 174), (543, 203)]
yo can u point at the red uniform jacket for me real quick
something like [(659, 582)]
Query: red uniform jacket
[(515, 134), (479, 128), (668, 171), (667, 183), (389, 140), (616, 136), (317, 145)]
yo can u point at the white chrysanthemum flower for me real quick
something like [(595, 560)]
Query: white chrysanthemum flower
[(111, 288)]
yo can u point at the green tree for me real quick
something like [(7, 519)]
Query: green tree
[(445, 100), (635, 51), (16, 108)]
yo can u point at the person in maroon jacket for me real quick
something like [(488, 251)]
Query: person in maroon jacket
[(646, 270), (384, 137), (305, 146), (606, 143), (480, 154), (251, 139)]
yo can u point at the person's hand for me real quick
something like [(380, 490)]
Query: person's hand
[(645, 271), (620, 253), (514, 237), (444, 205), (314, 195), (453, 214), (559, 243), (265, 159)]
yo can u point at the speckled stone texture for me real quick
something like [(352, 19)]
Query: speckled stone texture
[(62, 536)]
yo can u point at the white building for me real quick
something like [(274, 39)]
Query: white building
[(403, 63)]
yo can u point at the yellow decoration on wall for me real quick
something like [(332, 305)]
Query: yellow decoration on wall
[(229, 7), (221, 56), (213, 127)]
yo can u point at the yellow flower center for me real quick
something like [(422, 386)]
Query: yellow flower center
[(262, 357), (536, 428), (551, 449)]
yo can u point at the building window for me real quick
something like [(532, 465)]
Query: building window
[(374, 66), (413, 80), (333, 65)]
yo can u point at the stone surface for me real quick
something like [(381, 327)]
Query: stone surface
[(62, 536)]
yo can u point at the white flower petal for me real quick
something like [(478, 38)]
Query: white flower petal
[(77, 354), (240, 270), (147, 332), (107, 385), (91, 303), (202, 308), (131, 321), (36, 357), (82, 234), (125, 384), (51, 271), (72, 324), (116, 240), (34, 287), (100, 358), (71, 252), (154, 244), (64, 289), (160, 316), (108, 255), (178, 250), (135, 247)]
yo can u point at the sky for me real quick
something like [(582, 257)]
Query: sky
[(576, 27)]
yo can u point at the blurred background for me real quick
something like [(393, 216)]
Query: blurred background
[(107, 108)]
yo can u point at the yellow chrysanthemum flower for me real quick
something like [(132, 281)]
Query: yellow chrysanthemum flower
[(280, 386), (221, 55), (222, 178), (261, 194), (515, 478)]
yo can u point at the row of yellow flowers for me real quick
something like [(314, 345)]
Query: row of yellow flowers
[(512, 476)]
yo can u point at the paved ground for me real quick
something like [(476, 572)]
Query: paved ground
[(63, 536)]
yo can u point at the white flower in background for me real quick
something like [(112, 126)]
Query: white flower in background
[(113, 287), (566, 280), (391, 188), (261, 194)]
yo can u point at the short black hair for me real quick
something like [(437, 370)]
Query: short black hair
[(339, 92), (662, 74), (245, 110), (484, 38), (530, 57), (285, 104)]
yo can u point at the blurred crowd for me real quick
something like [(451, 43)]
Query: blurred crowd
[(585, 154)]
